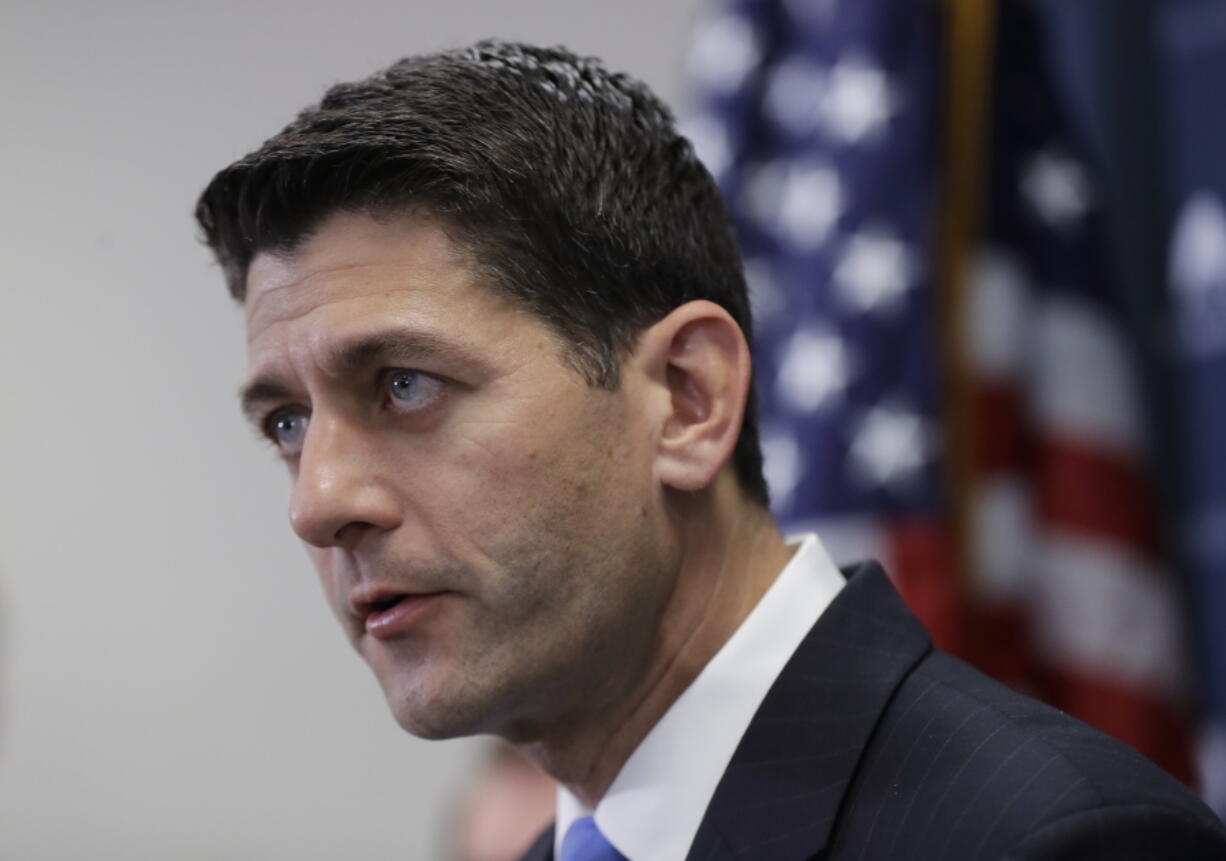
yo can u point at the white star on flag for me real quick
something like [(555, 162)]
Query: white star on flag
[(811, 204), (1057, 188), (725, 51), (1198, 257), (1198, 275), (799, 204), (873, 271), (815, 370), (890, 446), (782, 465), (766, 299), (819, 12), (858, 100), (761, 188), (794, 95), (710, 142)]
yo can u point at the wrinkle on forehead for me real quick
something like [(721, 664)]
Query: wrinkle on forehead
[(356, 255), (357, 276)]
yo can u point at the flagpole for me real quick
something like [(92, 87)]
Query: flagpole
[(969, 52)]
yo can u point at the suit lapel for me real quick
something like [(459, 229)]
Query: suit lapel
[(781, 793)]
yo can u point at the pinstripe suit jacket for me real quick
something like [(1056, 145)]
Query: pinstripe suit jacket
[(872, 744)]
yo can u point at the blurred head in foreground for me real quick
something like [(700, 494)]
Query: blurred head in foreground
[(503, 810)]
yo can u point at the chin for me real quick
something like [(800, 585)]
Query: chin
[(437, 717), (429, 731)]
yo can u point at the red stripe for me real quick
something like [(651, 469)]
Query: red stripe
[(1138, 718), (1003, 439), (998, 641), (1086, 490), (921, 562), (1078, 487)]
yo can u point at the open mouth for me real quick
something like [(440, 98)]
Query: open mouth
[(385, 604), (390, 615)]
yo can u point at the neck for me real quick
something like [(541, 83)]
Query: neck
[(730, 553)]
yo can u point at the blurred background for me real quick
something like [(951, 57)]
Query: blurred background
[(986, 243)]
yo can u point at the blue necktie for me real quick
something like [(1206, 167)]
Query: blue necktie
[(584, 842)]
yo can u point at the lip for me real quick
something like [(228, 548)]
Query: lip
[(384, 620)]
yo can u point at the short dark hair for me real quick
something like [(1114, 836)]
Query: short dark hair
[(568, 185)]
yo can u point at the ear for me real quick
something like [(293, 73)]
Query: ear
[(698, 357)]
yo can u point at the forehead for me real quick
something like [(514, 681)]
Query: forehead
[(357, 281), (354, 261)]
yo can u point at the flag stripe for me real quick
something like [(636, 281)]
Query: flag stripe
[(1087, 489), (1005, 441), (1082, 384), (1134, 714), (1104, 611)]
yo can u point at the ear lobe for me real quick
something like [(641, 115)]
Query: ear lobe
[(702, 358)]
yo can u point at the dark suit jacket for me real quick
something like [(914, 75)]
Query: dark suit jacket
[(872, 744)]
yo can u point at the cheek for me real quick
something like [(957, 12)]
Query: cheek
[(505, 474), (523, 492), (323, 561)]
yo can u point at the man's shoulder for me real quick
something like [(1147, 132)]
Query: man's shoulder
[(965, 767), (1001, 724)]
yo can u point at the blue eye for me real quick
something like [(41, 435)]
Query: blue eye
[(404, 385), (411, 388), (287, 428)]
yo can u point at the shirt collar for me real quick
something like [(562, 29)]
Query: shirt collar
[(653, 809)]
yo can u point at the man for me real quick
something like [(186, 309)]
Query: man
[(497, 331)]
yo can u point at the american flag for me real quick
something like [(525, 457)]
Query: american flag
[(1192, 48), (979, 430)]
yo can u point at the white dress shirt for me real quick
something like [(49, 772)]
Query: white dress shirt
[(653, 809)]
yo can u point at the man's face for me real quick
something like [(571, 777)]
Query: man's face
[(484, 523)]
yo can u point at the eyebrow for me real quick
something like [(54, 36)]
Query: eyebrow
[(349, 357)]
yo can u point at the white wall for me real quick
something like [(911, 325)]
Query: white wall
[(171, 685)]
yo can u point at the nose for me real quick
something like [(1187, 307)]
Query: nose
[(340, 492)]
